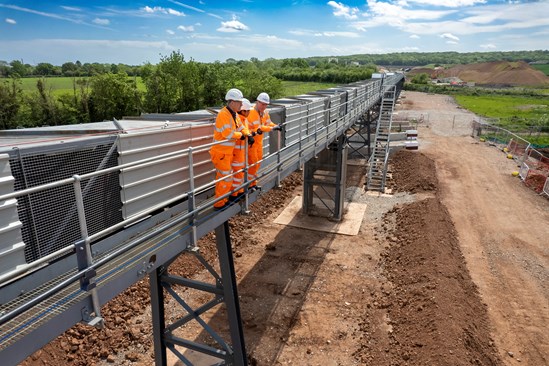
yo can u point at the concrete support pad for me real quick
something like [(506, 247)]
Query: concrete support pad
[(349, 225)]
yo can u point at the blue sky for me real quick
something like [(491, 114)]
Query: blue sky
[(135, 32)]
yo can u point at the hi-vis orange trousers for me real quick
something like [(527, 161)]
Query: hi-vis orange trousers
[(238, 163), (223, 170), (255, 154)]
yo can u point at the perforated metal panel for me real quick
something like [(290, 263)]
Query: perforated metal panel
[(49, 217)]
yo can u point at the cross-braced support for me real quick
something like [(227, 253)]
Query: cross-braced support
[(327, 173), (224, 291)]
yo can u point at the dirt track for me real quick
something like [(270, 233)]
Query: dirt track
[(452, 269)]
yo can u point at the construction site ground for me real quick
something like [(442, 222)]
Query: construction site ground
[(451, 268)]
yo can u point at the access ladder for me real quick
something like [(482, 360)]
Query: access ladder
[(377, 171)]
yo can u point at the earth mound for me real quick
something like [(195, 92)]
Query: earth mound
[(498, 73)]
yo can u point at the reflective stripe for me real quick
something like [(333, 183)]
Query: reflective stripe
[(227, 143), (223, 172), (240, 147), (231, 135), (238, 164), (222, 128), (237, 180)]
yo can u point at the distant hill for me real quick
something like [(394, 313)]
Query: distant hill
[(491, 73), (441, 58)]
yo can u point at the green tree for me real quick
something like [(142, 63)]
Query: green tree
[(19, 68), (173, 86), (422, 78), (10, 101), (113, 96), (44, 69), (69, 69)]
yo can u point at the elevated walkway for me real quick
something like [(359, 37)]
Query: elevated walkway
[(160, 214)]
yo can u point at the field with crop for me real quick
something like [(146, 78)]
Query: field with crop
[(63, 85), (544, 68)]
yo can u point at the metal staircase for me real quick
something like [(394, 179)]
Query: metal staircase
[(377, 171)]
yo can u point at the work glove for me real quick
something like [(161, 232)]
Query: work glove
[(253, 134), (250, 140), (259, 132), (243, 137), (277, 128)]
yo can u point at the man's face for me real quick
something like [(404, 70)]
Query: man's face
[(234, 105), (261, 106)]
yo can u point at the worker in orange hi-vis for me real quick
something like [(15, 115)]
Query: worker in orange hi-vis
[(239, 152), (228, 129), (259, 122)]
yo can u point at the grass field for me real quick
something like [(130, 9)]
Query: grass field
[(292, 88), (61, 85), (505, 107), (514, 112), (544, 68)]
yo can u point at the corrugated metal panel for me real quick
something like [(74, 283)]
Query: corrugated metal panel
[(12, 248), (147, 185), (295, 119)]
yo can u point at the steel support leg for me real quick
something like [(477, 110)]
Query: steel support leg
[(157, 307), (224, 290), (341, 176), (332, 165), (228, 275)]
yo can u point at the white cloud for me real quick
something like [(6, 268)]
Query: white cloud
[(58, 51), (488, 46), (452, 42), (448, 3), (101, 21), (449, 36), (188, 28), (341, 10), (406, 15), (10, 21), (415, 36), (161, 10), (311, 33), (170, 32), (232, 26), (186, 6), (48, 15), (70, 8)]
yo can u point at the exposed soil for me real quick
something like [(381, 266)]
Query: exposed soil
[(492, 73), (450, 269)]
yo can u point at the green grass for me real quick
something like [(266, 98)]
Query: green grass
[(62, 85), (513, 112), (506, 107), (544, 68), (291, 88)]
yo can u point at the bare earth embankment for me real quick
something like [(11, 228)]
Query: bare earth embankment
[(451, 269)]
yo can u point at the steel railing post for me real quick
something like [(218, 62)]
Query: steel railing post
[(85, 259)]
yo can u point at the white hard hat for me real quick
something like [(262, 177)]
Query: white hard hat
[(246, 105), (234, 94), (264, 98)]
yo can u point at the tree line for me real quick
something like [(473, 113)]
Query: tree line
[(172, 85), (105, 91)]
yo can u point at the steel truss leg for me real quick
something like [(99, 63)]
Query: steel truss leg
[(224, 290), (328, 173)]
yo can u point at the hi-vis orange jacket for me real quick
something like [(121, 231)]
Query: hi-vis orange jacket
[(228, 129), (263, 122)]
